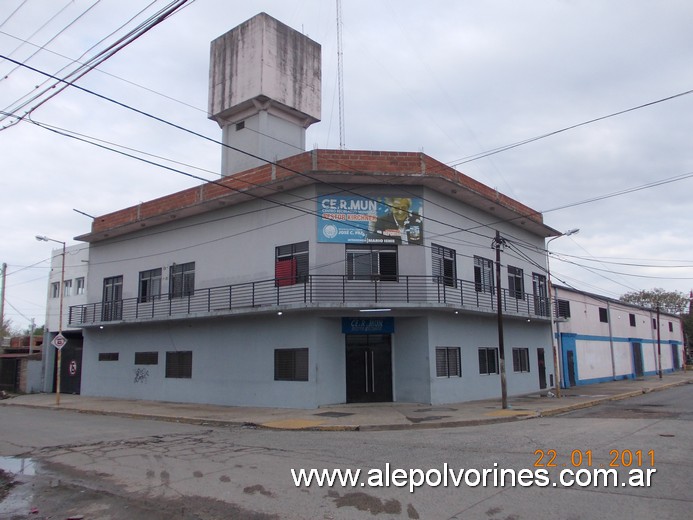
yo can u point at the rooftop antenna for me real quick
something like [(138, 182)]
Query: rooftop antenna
[(340, 73)]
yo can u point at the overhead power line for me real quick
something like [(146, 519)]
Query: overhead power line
[(97, 60), (500, 149)]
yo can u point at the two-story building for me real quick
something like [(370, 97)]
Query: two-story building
[(304, 279), (70, 288)]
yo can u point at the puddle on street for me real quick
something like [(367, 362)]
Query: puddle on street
[(18, 502), (18, 466)]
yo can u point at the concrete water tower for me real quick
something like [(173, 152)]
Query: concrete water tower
[(264, 91)]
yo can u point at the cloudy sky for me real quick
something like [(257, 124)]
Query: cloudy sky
[(451, 78)]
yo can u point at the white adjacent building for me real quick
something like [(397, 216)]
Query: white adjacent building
[(602, 339)]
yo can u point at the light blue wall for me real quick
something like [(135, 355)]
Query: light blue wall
[(411, 360), (233, 362), (472, 332)]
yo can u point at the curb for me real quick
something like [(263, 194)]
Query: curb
[(366, 427)]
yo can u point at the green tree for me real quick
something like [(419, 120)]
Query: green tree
[(673, 302)]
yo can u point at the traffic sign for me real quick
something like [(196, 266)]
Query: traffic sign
[(59, 341)]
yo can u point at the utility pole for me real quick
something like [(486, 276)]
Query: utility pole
[(498, 243), (659, 345), (31, 336), (2, 302)]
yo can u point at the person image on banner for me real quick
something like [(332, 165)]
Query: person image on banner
[(397, 224)]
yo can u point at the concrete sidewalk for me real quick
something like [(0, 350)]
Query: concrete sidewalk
[(377, 416)]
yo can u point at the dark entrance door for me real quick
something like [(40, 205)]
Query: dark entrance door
[(542, 368), (71, 367), (571, 367), (675, 357), (368, 368), (637, 359), (9, 374)]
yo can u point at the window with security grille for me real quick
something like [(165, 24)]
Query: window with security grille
[(631, 317), (444, 265), (365, 262), (448, 362), (563, 308), (179, 364), (291, 364), (146, 358), (488, 360), (483, 275), (181, 280), (516, 283), (520, 360), (291, 264)]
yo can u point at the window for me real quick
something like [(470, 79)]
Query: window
[(67, 288), (146, 358), (371, 263), (563, 308), (80, 285), (181, 280), (55, 290), (516, 282), (631, 318), (291, 264), (150, 285), (654, 323), (179, 364), (541, 304), (483, 274), (603, 315), (488, 360), (520, 360), (291, 364), (671, 327), (112, 298), (108, 356), (444, 265), (448, 362)]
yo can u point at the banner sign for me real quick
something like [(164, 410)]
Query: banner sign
[(368, 325), (370, 220)]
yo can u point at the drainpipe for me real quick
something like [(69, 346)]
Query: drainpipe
[(611, 342)]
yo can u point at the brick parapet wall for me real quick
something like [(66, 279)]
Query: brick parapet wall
[(309, 163)]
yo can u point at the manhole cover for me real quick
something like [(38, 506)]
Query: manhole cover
[(333, 414)]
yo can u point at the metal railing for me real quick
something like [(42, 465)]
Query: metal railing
[(313, 290)]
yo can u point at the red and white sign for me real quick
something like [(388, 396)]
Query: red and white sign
[(73, 367), (59, 341)]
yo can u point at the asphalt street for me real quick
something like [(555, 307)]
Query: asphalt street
[(154, 469)]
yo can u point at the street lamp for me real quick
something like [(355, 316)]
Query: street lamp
[(42, 238), (557, 355)]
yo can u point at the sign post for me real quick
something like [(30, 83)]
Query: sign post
[(59, 341)]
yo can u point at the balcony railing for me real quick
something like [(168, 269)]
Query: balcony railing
[(313, 290)]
